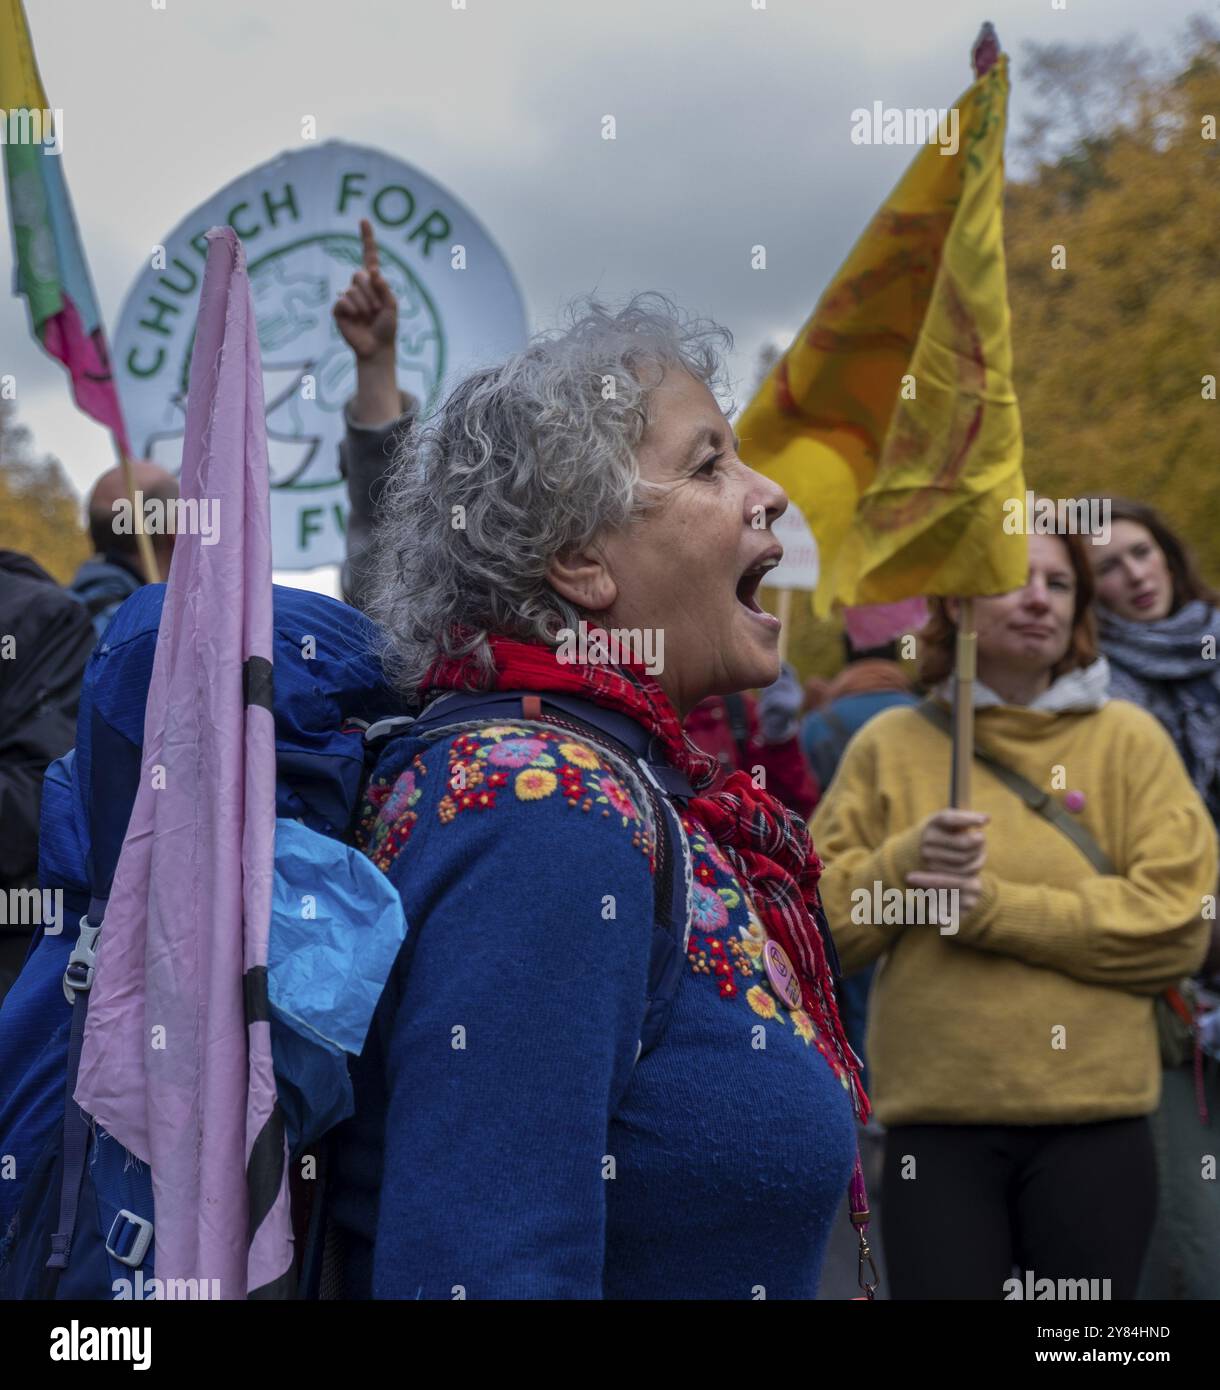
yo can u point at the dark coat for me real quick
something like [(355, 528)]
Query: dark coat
[(40, 679)]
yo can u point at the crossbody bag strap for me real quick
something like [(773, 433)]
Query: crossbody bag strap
[(1034, 797)]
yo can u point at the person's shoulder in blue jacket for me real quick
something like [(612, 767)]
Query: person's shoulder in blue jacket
[(826, 733)]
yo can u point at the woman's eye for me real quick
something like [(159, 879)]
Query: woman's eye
[(706, 469)]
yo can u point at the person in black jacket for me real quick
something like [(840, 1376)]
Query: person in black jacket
[(45, 641)]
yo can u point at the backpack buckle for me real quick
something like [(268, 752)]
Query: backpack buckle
[(78, 977), (387, 728), (132, 1235)]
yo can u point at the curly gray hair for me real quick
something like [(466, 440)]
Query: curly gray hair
[(525, 460)]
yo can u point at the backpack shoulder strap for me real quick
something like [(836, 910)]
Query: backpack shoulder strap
[(1034, 797), (620, 735)]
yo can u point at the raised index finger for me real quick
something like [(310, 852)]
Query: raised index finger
[(372, 261)]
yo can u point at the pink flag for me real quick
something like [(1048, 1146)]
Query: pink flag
[(177, 1053), (875, 624)]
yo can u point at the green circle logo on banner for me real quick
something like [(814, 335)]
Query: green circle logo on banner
[(298, 217)]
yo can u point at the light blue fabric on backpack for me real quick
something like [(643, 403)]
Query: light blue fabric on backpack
[(336, 928)]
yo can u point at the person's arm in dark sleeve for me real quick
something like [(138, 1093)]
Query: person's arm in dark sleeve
[(365, 456), (513, 1041), (366, 315), (51, 646)]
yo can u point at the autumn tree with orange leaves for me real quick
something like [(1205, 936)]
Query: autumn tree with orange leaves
[(1113, 251)]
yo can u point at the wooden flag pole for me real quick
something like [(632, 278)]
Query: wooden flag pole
[(983, 58), (148, 559), (784, 613), (963, 707)]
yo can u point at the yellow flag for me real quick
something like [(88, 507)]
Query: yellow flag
[(891, 421)]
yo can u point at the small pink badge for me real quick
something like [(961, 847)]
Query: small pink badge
[(781, 974), (1074, 801)]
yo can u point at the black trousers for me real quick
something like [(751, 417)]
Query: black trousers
[(1062, 1201)]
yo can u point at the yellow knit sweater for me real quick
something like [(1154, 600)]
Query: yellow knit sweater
[(1039, 1010)]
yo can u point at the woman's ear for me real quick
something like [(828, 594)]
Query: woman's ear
[(582, 578)]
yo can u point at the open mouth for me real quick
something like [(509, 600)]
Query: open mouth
[(750, 582)]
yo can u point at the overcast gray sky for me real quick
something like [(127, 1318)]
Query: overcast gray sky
[(733, 129)]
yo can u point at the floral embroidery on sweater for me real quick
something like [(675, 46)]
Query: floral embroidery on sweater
[(733, 957), (491, 766), (390, 815), (532, 765)]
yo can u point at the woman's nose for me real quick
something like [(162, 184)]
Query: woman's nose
[(767, 499)]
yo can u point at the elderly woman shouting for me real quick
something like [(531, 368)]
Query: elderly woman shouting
[(542, 1111)]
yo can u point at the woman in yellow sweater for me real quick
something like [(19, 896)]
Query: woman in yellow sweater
[(1012, 1044)]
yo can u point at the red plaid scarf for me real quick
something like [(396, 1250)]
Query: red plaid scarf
[(767, 845)]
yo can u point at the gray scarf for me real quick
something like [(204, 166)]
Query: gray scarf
[(1161, 666)]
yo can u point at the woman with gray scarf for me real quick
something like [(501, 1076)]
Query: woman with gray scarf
[(1159, 626)]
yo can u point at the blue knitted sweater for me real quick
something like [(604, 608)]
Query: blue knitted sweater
[(505, 1143)]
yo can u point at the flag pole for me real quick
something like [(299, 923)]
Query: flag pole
[(982, 59), (784, 613), (148, 559), (963, 707)]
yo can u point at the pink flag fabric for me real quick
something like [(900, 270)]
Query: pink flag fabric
[(875, 624), (176, 1063)]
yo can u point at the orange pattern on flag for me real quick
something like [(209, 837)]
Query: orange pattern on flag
[(892, 421)]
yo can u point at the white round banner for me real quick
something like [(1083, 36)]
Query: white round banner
[(298, 218), (799, 567)]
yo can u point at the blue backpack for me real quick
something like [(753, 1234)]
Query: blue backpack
[(103, 586), (76, 1215)]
